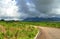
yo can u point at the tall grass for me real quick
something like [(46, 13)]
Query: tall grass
[(22, 30), (17, 30)]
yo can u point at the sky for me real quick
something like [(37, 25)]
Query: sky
[(21, 9)]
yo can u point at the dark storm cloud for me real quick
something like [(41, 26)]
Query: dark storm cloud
[(39, 7), (21, 9), (27, 7)]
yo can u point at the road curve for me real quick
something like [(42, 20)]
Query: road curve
[(48, 33)]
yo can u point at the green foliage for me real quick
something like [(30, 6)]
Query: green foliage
[(17, 30), (1, 35), (23, 30)]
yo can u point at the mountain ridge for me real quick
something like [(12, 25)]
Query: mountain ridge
[(42, 19)]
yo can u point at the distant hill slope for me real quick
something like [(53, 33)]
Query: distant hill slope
[(42, 19)]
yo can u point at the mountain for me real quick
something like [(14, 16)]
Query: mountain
[(42, 19)]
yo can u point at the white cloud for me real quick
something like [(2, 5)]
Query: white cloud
[(55, 7), (29, 8), (8, 8), (56, 11)]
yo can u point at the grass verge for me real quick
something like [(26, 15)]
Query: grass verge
[(17, 30)]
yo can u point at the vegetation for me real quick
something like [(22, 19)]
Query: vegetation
[(50, 24), (22, 30), (17, 30), (44, 24)]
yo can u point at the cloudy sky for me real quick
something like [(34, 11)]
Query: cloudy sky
[(21, 9)]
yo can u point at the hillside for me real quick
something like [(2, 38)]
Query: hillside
[(42, 19)]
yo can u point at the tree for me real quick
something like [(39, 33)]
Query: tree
[(2, 19)]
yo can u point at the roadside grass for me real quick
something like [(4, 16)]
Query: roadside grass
[(50, 24), (22, 30), (45, 24), (55, 24), (17, 30)]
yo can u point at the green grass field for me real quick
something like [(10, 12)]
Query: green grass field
[(17, 30), (22, 30), (44, 24), (50, 24)]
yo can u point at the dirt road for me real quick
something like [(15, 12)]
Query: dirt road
[(48, 33)]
